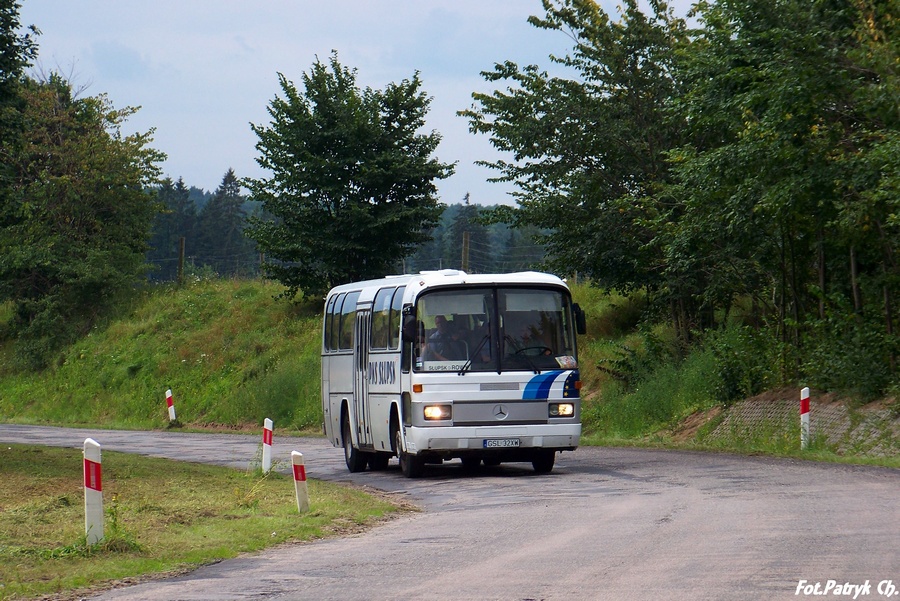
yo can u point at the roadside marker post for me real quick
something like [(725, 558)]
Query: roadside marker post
[(171, 405), (93, 492), (804, 418), (300, 481), (267, 446)]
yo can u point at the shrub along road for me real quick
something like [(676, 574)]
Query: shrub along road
[(605, 524)]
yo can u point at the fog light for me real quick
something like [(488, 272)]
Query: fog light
[(438, 412), (562, 409)]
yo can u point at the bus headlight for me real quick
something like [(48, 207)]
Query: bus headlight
[(438, 412), (562, 409)]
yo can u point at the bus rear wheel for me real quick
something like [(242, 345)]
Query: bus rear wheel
[(412, 466), (356, 459)]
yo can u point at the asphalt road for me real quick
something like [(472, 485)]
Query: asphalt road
[(607, 523)]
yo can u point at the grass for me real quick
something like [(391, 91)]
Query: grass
[(161, 516), (656, 403), (234, 356), (229, 351)]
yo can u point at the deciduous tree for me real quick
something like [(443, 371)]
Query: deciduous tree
[(76, 221), (588, 144), (352, 186)]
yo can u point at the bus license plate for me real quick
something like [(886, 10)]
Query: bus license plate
[(500, 443)]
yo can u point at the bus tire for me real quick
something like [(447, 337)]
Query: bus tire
[(378, 461), (543, 461), (356, 459), (412, 466)]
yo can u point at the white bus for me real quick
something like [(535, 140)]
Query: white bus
[(444, 364)]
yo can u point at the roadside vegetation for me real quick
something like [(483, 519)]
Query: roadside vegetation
[(233, 355), (160, 517)]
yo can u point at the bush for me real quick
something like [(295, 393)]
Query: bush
[(633, 363), (743, 362), (850, 354), (664, 390)]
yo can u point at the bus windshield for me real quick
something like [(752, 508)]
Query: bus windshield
[(494, 329)]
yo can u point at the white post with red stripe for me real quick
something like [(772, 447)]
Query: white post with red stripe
[(171, 405), (267, 446), (93, 492), (804, 418), (300, 481)]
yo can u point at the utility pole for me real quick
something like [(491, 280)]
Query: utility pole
[(181, 260), (465, 252)]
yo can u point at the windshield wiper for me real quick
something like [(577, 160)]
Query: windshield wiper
[(468, 364)]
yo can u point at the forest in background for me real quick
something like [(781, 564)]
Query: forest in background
[(212, 226)]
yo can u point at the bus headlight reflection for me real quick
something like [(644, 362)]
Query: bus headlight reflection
[(562, 409), (438, 412)]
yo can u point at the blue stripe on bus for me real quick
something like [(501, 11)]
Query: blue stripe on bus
[(539, 386)]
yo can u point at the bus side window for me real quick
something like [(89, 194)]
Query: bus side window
[(348, 321), (396, 317), (381, 318), (326, 325), (334, 323)]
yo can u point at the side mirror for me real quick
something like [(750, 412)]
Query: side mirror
[(409, 328), (580, 320)]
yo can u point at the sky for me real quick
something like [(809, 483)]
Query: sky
[(202, 72)]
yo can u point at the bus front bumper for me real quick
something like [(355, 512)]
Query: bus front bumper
[(458, 441)]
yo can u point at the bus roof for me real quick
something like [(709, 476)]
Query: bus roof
[(448, 277)]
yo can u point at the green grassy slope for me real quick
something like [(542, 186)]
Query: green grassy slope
[(231, 354)]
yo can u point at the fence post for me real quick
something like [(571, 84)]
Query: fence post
[(300, 481), (804, 418), (267, 446), (170, 404), (93, 492)]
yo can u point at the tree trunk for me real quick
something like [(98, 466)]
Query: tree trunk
[(821, 257), (854, 283)]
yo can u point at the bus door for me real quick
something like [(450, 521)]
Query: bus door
[(361, 379)]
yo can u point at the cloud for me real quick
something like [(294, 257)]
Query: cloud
[(118, 62)]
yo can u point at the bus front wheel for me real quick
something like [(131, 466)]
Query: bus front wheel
[(543, 461), (412, 466), (356, 460)]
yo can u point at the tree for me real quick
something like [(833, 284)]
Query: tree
[(16, 53), (17, 50), (352, 188), (589, 150), (222, 243), (519, 251), (788, 184), (176, 220), (76, 222), (468, 236)]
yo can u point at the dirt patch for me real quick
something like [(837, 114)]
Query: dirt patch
[(689, 427)]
